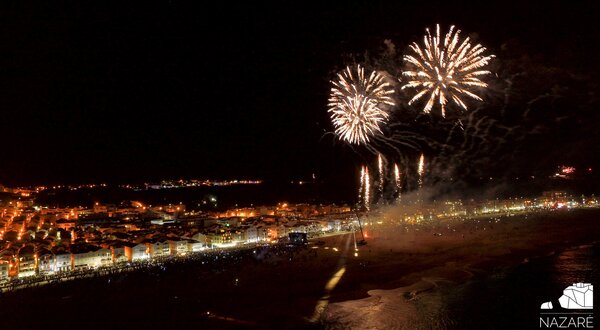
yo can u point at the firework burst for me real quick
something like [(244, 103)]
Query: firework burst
[(445, 70), (358, 104)]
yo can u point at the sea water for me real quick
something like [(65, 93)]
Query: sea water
[(510, 298)]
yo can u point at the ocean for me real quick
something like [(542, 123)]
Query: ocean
[(510, 298)]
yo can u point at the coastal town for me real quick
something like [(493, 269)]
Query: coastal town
[(38, 242)]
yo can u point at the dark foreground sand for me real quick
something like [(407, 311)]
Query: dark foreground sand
[(317, 286)]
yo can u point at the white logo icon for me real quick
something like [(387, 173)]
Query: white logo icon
[(576, 296)]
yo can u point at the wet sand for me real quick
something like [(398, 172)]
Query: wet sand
[(283, 287)]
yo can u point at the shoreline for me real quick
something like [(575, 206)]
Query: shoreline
[(35, 281)]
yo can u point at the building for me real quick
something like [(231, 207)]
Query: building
[(118, 254), (554, 199), (46, 261), (89, 256), (195, 246), (27, 261), (200, 237), (4, 270), (63, 262), (218, 237), (250, 233), (179, 247), (159, 248), (135, 252)]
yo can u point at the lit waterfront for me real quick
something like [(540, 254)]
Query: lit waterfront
[(28, 261)]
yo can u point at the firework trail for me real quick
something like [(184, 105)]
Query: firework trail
[(464, 149), (421, 170), (445, 69), (362, 182), (381, 175), (398, 181), (367, 190), (358, 104)]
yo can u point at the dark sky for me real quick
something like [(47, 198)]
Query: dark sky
[(96, 92)]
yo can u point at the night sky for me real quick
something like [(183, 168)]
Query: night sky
[(126, 93)]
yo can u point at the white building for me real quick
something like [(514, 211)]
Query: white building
[(4, 268), (195, 246), (27, 261), (137, 252), (178, 247), (46, 262), (63, 262), (159, 249), (92, 259), (250, 234)]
